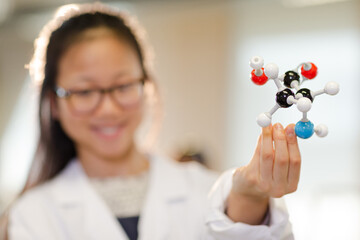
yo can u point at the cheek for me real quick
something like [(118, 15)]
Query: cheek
[(136, 115), (72, 125)]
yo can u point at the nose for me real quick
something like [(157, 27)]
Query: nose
[(108, 106)]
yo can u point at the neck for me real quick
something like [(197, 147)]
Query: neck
[(98, 166)]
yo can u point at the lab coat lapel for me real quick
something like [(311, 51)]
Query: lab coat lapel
[(167, 191), (87, 215)]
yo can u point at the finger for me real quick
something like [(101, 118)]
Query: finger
[(255, 161), (281, 162), (295, 158), (266, 154)]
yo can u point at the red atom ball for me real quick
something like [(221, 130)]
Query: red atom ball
[(309, 74), (258, 80)]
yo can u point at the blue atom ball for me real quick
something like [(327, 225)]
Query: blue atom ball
[(304, 129)]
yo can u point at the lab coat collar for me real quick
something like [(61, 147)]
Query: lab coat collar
[(167, 191), (81, 207), (167, 179), (167, 188)]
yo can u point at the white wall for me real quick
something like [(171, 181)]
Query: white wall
[(18, 143), (191, 45)]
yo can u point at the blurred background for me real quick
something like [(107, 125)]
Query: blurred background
[(202, 50)]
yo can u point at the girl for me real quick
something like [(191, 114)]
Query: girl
[(90, 180)]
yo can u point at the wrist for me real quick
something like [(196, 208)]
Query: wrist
[(249, 209), (254, 198)]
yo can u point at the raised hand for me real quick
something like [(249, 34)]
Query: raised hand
[(273, 171)]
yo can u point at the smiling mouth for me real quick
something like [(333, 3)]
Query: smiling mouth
[(108, 133), (108, 130)]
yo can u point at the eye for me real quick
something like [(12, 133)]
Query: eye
[(84, 93), (124, 87)]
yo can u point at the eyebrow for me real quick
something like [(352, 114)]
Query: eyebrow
[(120, 75), (90, 79), (83, 78)]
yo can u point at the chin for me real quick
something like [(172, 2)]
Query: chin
[(112, 151)]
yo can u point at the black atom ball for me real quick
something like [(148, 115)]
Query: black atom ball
[(306, 93), (281, 97), (289, 77)]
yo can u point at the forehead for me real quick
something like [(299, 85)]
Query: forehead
[(94, 33), (99, 54)]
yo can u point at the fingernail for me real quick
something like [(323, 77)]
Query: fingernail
[(278, 126), (290, 132)]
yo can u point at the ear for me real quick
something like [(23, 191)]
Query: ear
[(54, 106)]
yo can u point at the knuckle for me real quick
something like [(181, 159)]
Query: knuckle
[(295, 161), (282, 161), (267, 156)]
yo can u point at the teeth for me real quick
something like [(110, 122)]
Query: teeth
[(108, 130)]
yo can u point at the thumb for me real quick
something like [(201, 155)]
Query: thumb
[(255, 160)]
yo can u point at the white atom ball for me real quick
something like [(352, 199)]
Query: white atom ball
[(321, 130), (304, 104), (256, 62), (263, 120), (271, 70), (332, 88)]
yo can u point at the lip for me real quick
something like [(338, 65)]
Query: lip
[(108, 132)]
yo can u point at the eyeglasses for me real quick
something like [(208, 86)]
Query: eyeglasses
[(86, 101)]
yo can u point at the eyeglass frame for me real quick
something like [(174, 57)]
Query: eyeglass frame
[(63, 93)]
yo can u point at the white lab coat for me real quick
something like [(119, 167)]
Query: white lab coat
[(177, 207)]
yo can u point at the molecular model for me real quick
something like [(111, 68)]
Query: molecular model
[(285, 97)]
